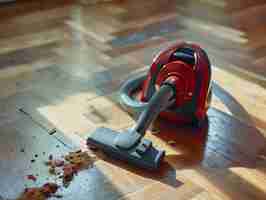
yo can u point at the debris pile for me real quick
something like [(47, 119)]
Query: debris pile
[(41, 193), (70, 166), (65, 168)]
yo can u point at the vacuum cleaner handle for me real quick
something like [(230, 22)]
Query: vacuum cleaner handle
[(159, 101)]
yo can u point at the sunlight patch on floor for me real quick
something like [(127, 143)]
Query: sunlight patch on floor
[(223, 32), (249, 95), (252, 176)]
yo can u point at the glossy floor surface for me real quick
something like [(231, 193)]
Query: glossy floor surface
[(61, 66)]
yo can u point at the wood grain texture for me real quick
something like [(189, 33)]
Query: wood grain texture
[(62, 64)]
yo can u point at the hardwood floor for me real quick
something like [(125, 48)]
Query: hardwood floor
[(61, 66)]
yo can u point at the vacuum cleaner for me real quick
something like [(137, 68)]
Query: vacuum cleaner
[(177, 88)]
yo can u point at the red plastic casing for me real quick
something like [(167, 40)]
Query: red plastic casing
[(193, 81)]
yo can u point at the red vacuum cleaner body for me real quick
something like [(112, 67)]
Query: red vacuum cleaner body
[(177, 88), (186, 66)]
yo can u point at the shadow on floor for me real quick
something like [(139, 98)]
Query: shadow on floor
[(220, 145)]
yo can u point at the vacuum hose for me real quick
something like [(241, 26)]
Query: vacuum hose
[(128, 102)]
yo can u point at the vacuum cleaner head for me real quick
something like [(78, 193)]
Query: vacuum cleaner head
[(142, 155)]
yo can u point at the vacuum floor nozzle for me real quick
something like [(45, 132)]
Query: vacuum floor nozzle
[(142, 155)]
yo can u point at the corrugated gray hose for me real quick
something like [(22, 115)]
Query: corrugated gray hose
[(128, 102)]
